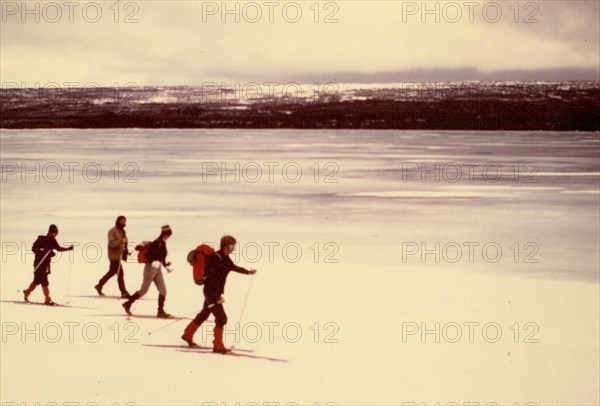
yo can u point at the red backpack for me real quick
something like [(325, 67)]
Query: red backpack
[(197, 259), (142, 249)]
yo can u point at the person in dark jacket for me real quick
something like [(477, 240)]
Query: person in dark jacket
[(44, 248), (117, 251), (155, 259), (218, 267)]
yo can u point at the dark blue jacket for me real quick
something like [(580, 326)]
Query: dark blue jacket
[(218, 267), (157, 251), (43, 248)]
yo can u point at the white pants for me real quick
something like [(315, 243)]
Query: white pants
[(155, 275)]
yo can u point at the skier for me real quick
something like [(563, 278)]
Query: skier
[(117, 251), (218, 267), (44, 248), (155, 258)]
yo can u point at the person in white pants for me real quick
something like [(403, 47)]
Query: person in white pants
[(155, 259)]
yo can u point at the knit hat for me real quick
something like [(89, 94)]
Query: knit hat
[(227, 240), (52, 229), (166, 230)]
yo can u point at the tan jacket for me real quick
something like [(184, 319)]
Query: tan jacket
[(115, 247)]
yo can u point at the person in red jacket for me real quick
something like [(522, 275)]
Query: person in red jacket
[(44, 248), (218, 267)]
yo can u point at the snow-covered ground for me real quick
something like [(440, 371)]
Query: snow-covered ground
[(379, 283)]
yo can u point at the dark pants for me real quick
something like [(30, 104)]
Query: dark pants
[(40, 277), (211, 306), (115, 268)]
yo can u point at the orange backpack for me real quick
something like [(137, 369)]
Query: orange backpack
[(142, 249), (197, 259)]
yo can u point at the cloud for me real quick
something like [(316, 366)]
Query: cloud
[(574, 22), (178, 43), (425, 75)]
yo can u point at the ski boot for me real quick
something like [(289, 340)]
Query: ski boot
[(127, 307), (99, 290), (163, 315), (188, 334), (218, 345)]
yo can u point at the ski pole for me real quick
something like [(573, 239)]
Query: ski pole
[(175, 321), (42, 261), (69, 284), (171, 323), (244, 305), (118, 272)]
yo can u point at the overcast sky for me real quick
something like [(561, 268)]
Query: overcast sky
[(187, 43)]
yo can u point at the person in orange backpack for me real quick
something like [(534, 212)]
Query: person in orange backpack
[(155, 260), (218, 267)]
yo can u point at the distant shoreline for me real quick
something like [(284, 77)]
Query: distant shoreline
[(516, 107)]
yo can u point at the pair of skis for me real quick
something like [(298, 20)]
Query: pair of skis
[(143, 316), (238, 352), (53, 304)]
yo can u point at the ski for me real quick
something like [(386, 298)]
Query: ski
[(101, 297), (44, 304), (238, 352), (234, 353), (187, 347), (143, 316)]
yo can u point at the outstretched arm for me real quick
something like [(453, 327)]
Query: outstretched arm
[(239, 269), (57, 247)]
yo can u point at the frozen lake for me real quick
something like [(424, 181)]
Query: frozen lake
[(359, 238), (389, 188)]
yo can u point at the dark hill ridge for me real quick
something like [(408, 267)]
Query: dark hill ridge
[(567, 106)]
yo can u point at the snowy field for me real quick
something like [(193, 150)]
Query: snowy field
[(394, 268)]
